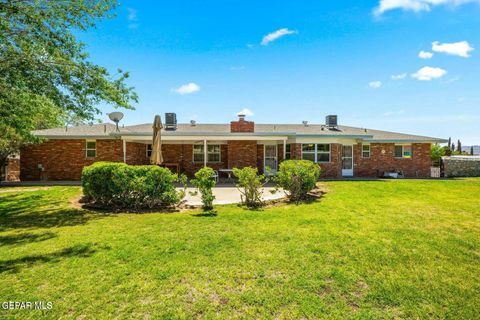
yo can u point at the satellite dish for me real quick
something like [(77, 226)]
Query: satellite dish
[(115, 117)]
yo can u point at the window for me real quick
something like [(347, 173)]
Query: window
[(213, 153), (198, 153), (316, 152), (403, 151), (288, 152), (91, 147), (365, 151), (149, 150)]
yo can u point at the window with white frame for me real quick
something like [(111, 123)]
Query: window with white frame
[(91, 148), (213, 153), (316, 152), (403, 151), (365, 151), (149, 151), (288, 152)]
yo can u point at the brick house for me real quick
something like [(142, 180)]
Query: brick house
[(341, 151)]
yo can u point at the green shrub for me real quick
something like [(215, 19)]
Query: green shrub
[(204, 182), (297, 178), (250, 186), (118, 185)]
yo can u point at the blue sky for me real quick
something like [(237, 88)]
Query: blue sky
[(288, 61)]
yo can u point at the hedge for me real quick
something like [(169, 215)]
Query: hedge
[(113, 184)]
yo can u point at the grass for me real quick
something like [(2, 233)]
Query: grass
[(367, 250)]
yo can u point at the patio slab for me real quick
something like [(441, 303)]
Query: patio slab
[(229, 195)]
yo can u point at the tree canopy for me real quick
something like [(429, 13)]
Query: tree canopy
[(46, 79)]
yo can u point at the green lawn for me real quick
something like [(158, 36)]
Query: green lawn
[(367, 249)]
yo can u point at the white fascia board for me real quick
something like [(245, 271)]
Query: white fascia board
[(208, 138), (407, 141), (325, 140), (77, 137)]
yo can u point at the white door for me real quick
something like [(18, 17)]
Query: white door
[(270, 157), (347, 161)]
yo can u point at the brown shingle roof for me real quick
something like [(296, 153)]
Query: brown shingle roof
[(106, 130)]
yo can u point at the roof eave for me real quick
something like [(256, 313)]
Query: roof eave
[(427, 140)]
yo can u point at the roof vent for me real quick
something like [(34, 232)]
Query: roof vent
[(193, 123), (170, 121), (305, 123), (331, 121)]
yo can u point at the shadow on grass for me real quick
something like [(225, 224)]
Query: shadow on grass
[(24, 238), (40, 211), (78, 251), (210, 214)]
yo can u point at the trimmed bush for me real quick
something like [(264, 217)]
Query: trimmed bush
[(297, 178), (249, 184), (204, 182), (118, 185)]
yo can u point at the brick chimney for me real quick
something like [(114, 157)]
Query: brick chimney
[(242, 125)]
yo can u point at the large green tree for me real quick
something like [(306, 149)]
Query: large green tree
[(46, 78)]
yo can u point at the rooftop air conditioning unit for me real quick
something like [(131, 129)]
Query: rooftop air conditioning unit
[(331, 121), (170, 121)]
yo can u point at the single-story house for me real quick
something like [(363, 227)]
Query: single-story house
[(341, 151)]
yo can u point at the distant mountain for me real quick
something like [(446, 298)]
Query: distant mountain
[(476, 149)]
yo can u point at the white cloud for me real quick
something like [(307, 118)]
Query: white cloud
[(187, 88), (425, 55), (246, 112), (132, 18), (276, 35), (415, 5), (375, 84), (461, 48), (393, 113), (400, 76), (429, 73), (132, 14), (454, 79)]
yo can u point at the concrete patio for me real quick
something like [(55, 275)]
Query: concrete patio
[(229, 194)]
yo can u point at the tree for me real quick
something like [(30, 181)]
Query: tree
[(471, 150), (45, 77), (437, 153), (459, 146), (453, 147), (449, 143)]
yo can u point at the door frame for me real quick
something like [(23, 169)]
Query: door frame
[(347, 172), (265, 158)]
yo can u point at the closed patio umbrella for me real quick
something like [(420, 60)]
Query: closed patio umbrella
[(156, 157)]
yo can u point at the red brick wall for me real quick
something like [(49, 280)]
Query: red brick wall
[(260, 154), (242, 126), (11, 170), (63, 159), (136, 153), (280, 153), (296, 151), (242, 154), (382, 159)]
